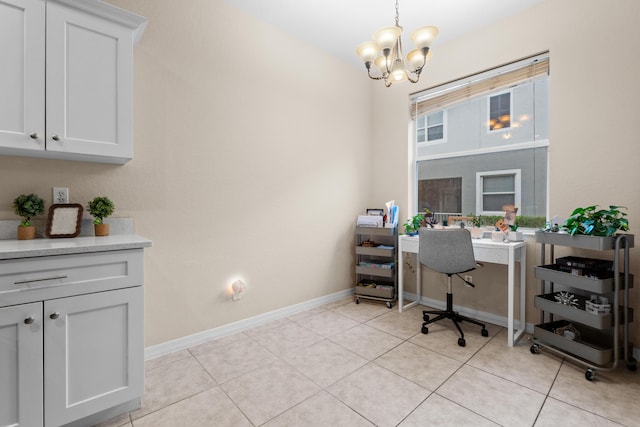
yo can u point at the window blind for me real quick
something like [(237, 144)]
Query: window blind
[(502, 77)]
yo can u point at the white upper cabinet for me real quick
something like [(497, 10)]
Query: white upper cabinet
[(86, 79)]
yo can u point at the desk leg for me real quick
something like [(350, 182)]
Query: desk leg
[(513, 335), (401, 305), (523, 292), (400, 275), (510, 296)]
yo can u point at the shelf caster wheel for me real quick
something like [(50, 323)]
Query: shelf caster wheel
[(357, 300), (632, 365), (590, 374), (425, 330), (484, 332), (534, 349), (389, 305), (425, 317), (461, 342)]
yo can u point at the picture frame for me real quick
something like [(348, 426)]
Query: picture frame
[(64, 220)]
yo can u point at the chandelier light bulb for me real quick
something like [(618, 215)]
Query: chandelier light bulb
[(423, 37), (368, 51), (387, 37)]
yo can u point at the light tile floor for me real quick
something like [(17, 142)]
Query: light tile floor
[(347, 364)]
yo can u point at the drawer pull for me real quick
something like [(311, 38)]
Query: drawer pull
[(54, 315), (23, 282), (29, 320)]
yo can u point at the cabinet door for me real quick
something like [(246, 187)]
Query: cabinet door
[(93, 353), (89, 85), (22, 75), (21, 365)]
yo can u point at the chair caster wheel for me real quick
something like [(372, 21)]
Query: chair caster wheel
[(425, 330), (590, 374), (534, 349), (357, 300), (389, 305), (484, 332), (425, 317), (461, 342)]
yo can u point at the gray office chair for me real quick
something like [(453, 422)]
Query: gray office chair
[(448, 251)]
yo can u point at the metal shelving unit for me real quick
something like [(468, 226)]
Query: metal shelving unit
[(376, 276), (594, 340)]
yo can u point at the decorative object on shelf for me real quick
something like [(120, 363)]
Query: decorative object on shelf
[(385, 52), (27, 206), (566, 298), (597, 222), (101, 207), (64, 220)]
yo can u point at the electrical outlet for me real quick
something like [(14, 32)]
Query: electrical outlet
[(468, 278), (60, 195)]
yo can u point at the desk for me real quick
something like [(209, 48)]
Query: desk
[(484, 250)]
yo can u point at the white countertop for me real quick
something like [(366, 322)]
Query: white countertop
[(12, 249)]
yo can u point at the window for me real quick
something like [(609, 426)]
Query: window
[(430, 127), (496, 189), (496, 127), (500, 111)]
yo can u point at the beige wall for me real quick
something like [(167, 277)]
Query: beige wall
[(594, 151), (252, 159)]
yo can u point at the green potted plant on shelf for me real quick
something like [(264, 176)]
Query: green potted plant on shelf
[(592, 221), (100, 207), (27, 206)]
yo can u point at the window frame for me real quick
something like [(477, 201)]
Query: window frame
[(511, 114), (517, 190), (426, 141)]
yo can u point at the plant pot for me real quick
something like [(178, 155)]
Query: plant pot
[(476, 233), (515, 236), (101, 229), (26, 233)]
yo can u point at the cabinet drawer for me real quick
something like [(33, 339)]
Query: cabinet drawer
[(35, 279)]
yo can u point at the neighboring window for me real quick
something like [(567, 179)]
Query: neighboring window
[(500, 111), (496, 189), (440, 195), (430, 127), (496, 128)]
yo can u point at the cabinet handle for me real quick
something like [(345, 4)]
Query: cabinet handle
[(33, 135), (22, 282), (54, 316), (55, 138), (29, 320)]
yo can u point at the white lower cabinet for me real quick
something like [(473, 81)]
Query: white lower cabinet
[(21, 388), (71, 338)]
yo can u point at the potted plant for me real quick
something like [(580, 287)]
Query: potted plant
[(100, 207), (27, 206), (476, 231), (513, 234), (591, 221), (413, 224)]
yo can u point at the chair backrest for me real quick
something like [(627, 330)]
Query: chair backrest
[(447, 251)]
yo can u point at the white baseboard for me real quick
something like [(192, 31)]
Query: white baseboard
[(182, 343)]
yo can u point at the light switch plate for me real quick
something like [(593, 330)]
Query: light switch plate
[(60, 195)]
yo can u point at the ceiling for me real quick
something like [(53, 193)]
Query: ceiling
[(338, 26)]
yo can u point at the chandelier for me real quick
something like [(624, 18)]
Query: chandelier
[(386, 53)]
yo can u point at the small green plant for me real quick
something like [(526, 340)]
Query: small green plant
[(477, 220), (413, 224), (27, 206), (100, 208), (597, 222)]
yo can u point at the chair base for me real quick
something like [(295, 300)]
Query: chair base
[(455, 318)]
